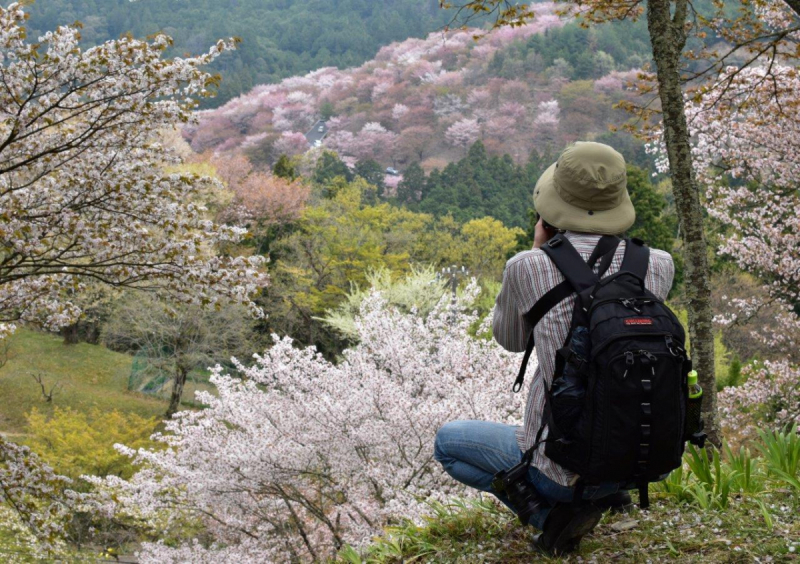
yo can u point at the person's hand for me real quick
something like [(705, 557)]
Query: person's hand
[(542, 234)]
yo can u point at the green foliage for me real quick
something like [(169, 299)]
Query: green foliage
[(333, 247), (734, 372), (652, 225), (421, 289), (781, 451), (712, 483), (460, 526), (280, 38), (328, 167), (479, 185), (285, 168), (76, 443), (624, 43), (346, 243), (373, 173), (412, 187), (487, 243)]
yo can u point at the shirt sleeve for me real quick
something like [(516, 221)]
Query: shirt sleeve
[(508, 325), (660, 274)]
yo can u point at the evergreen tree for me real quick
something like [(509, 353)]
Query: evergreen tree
[(373, 173), (412, 187), (479, 186), (652, 225), (329, 166), (284, 168)]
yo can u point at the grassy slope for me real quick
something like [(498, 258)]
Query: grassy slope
[(484, 532), (89, 376)]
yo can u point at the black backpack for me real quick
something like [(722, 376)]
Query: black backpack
[(616, 409)]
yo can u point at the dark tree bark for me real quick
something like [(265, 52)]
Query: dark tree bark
[(178, 383), (71, 334), (668, 38)]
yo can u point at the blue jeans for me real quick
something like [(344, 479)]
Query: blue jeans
[(472, 452)]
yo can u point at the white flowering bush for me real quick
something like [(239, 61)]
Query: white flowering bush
[(770, 398), (85, 195), (294, 456)]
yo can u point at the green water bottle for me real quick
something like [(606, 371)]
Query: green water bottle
[(694, 406), (695, 391)]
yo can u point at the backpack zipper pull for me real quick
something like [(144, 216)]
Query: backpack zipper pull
[(628, 361), (674, 349), (630, 304), (647, 354)]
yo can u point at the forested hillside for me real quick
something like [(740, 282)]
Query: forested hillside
[(280, 38), (422, 103)]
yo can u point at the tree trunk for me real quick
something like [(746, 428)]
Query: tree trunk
[(177, 390), (71, 334), (668, 37)]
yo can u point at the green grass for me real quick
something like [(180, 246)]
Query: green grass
[(724, 507), (484, 531), (88, 376)]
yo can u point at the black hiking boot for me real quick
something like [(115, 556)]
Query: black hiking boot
[(619, 502), (565, 526)]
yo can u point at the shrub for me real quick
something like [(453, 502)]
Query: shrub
[(76, 443), (296, 456)]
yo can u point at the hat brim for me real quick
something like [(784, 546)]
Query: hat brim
[(563, 215)]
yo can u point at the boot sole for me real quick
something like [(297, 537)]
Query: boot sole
[(569, 539)]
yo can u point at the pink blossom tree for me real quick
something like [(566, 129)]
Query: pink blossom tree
[(92, 200), (545, 124), (291, 143), (463, 133), (295, 456), (260, 200), (414, 142), (373, 142)]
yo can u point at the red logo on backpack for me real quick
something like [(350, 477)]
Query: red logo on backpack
[(638, 321)]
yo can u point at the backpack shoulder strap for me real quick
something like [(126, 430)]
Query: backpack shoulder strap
[(637, 258), (606, 246), (570, 263)]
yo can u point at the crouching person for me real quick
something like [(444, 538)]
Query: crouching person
[(583, 205)]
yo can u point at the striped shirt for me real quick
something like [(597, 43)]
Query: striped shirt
[(528, 276)]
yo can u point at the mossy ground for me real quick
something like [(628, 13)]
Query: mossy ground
[(483, 532)]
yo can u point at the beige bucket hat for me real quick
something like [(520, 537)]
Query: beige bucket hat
[(586, 190)]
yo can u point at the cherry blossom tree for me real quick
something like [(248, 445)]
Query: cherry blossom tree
[(398, 111), (41, 500), (390, 184), (414, 142), (291, 144), (295, 456), (373, 142), (259, 199), (747, 139), (463, 133), (545, 124), (83, 190)]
